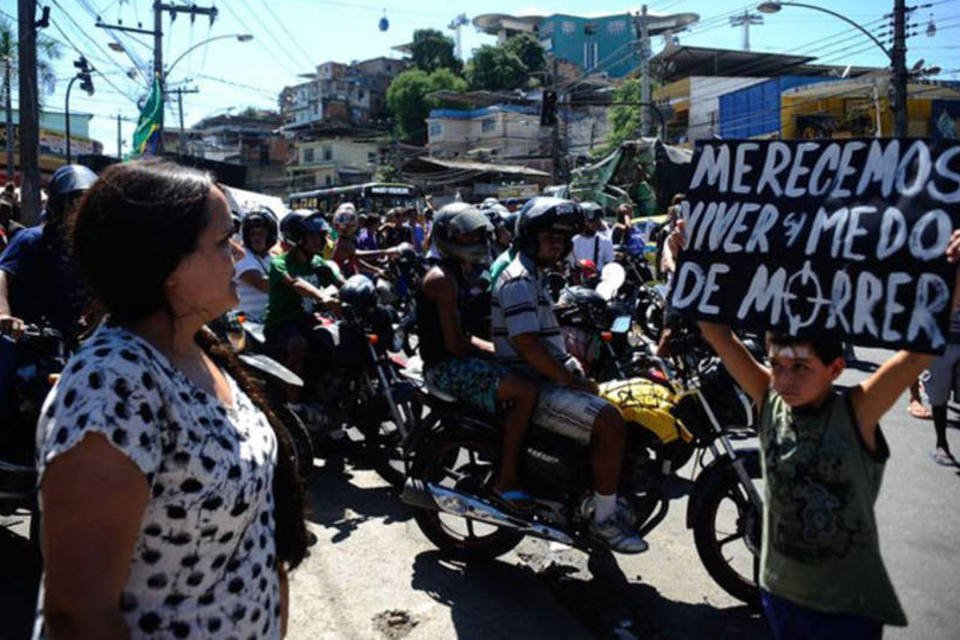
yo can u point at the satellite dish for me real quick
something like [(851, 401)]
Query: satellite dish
[(384, 24)]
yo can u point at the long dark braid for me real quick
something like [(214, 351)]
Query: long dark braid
[(291, 532)]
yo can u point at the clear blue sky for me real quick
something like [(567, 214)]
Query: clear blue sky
[(292, 36)]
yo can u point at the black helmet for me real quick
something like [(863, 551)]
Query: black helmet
[(460, 217), (68, 180), (359, 293), (262, 218), (584, 308), (297, 224), (592, 212), (547, 214)]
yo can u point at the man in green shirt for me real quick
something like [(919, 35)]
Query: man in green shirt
[(297, 282)]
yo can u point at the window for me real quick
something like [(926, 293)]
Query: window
[(327, 180), (328, 153), (372, 157), (616, 27), (264, 155), (568, 28), (308, 156), (488, 126), (589, 55), (589, 29), (436, 129)]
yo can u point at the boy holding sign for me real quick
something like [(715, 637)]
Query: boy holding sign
[(823, 459)]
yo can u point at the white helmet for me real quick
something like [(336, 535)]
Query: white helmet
[(345, 219)]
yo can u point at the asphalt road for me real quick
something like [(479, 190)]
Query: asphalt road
[(373, 575)]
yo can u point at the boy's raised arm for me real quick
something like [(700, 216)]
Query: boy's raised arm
[(873, 397), (752, 377)]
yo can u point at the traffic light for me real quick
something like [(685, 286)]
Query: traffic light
[(83, 74), (548, 109)]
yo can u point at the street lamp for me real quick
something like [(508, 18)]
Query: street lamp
[(239, 37), (897, 55)]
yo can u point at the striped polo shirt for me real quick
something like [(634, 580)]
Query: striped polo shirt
[(521, 304)]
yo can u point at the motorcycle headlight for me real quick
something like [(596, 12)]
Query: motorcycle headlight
[(621, 324), (396, 345)]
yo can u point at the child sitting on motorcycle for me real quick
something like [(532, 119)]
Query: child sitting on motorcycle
[(297, 279), (460, 364), (823, 459)]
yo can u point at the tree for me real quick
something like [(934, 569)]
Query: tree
[(495, 69), (529, 50), (431, 50), (624, 119), (48, 50), (408, 99)]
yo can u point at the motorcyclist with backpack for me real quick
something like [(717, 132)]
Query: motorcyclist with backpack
[(462, 364), (297, 279), (527, 337)]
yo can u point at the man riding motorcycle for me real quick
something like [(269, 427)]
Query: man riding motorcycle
[(38, 281), (527, 336), (297, 279), (461, 364)]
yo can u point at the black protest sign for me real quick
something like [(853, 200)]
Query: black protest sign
[(845, 237)]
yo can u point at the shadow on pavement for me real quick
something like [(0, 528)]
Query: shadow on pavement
[(18, 585), (492, 599), (330, 493)]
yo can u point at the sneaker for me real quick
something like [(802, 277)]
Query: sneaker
[(618, 535), (943, 457), (624, 511)]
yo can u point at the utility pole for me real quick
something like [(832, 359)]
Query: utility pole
[(745, 21), (8, 108), (29, 118), (555, 132), (119, 139), (644, 34), (158, 9), (181, 143), (898, 58)]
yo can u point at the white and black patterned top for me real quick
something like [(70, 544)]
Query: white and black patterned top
[(204, 564)]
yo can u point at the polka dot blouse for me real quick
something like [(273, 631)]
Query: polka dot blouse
[(204, 564)]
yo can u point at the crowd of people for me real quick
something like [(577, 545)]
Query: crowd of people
[(169, 496)]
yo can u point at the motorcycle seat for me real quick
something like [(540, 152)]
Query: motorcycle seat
[(438, 394)]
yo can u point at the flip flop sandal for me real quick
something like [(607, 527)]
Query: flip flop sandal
[(516, 501), (919, 411)]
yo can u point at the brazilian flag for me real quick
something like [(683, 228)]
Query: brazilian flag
[(147, 134)]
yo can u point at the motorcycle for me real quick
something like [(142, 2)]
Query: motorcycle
[(356, 383), (452, 454), (41, 355)]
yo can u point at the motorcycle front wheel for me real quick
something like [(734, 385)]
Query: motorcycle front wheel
[(467, 464), (727, 530)]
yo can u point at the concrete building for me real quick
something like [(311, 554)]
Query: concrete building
[(597, 44), (331, 162), (340, 94), (53, 141), (249, 139)]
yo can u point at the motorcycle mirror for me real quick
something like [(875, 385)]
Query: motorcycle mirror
[(611, 279)]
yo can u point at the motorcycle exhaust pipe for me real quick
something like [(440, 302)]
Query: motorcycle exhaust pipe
[(426, 495)]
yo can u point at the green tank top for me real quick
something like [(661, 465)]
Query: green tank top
[(820, 544)]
